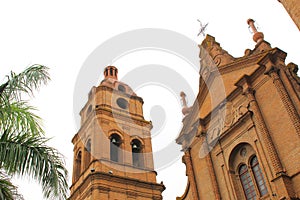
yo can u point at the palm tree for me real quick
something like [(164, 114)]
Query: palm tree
[(23, 149)]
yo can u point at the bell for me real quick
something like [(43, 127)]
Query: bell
[(113, 140), (134, 146)]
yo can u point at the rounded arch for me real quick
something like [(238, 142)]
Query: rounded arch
[(78, 150), (239, 166), (77, 164), (250, 183), (78, 154), (251, 159), (135, 137), (87, 152), (137, 145), (115, 147), (137, 152), (116, 131), (258, 175), (240, 154), (242, 168)]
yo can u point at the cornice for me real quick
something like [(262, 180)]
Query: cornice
[(119, 179), (242, 62), (125, 117)]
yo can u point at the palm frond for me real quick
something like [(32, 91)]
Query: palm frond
[(25, 82), (29, 155), (7, 190), (18, 117)]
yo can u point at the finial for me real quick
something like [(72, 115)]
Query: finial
[(111, 72), (185, 109), (202, 28), (183, 95), (257, 36)]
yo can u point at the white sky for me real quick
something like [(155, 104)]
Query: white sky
[(62, 34)]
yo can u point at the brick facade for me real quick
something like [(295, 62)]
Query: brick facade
[(244, 123), (112, 150)]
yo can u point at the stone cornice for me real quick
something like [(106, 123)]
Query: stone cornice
[(125, 117), (119, 179)]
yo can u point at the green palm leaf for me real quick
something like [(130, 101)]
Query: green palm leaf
[(7, 190), (23, 149), (25, 82), (29, 155), (18, 117)]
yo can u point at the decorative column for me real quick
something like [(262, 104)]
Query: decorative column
[(265, 135), (190, 172), (261, 125), (213, 177)]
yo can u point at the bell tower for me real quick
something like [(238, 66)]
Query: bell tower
[(112, 149)]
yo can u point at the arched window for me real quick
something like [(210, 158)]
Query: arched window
[(258, 175), (115, 142), (77, 166), (87, 153), (247, 182), (137, 155)]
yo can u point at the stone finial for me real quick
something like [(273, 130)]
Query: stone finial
[(257, 36), (185, 109), (111, 72), (183, 95)]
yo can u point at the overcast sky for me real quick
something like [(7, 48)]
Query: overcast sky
[(62, 35)]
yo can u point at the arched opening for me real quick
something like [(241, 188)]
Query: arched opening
[(258, 175), (77, 170), (137, 155), (247, 182), (115, 142), (87, 153), (243, 161)]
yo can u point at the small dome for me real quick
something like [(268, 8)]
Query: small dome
[(111, 80)]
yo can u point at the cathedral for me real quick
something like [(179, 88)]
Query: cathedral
[(240, 138)]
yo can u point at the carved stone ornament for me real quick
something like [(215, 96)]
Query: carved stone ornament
[(291, 72), (214, 50)]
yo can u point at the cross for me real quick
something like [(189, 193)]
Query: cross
[(202, 28)]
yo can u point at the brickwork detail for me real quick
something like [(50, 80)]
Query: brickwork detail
[(265, 135), (287, 102), (190, 173), (213, 177)]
